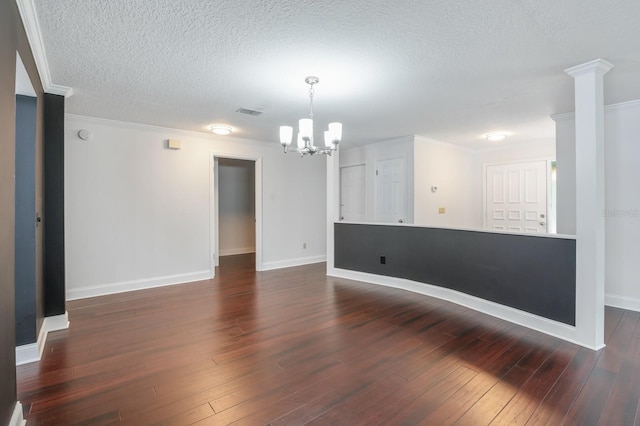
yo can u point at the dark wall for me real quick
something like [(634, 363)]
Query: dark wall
[(54, 271), (533, 274), (12, 39), (25, 219)]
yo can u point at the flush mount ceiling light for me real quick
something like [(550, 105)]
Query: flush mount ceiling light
[(496, 136), (332, 136), (221, 129)]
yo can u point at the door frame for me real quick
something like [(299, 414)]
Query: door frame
[(340, 167), (214, 235), (376, 185), (547, 161)]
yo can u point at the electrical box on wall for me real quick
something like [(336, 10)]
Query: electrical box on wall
[(174, 144)]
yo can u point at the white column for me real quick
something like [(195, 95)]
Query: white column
[(590, 201), (333, 204)]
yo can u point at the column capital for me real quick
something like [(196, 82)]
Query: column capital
[(599, 66)]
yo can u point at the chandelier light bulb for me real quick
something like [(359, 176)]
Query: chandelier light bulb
[(286, 133)]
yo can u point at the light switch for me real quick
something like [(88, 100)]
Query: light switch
[(441, 210), (175, 144)]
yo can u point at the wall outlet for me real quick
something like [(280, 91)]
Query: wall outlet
[(441, 210), (304, 246), (383, 260)]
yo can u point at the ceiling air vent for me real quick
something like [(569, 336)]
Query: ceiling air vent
[(248, 111)]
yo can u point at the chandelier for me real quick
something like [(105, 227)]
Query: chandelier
[(306, 146)]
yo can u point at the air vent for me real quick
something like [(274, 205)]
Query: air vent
[(248, 111)]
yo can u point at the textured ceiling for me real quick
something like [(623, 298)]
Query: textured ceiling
[(450, 70)]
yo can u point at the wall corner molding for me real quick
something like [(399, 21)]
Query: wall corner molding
[(32, 352), (34, 35), (16, 418)]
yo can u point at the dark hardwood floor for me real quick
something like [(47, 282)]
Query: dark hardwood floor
[(293, 347)]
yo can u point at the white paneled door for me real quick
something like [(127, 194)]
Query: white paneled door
[(516, 197), (352, 193), (390, 191)]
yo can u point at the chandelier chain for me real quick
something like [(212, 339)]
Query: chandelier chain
[(311, 92)]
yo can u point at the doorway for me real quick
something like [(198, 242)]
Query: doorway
[(28, 232), (236, 210), (353, 207), (516, 197), (390, 191)]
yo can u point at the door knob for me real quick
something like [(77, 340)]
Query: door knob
[(400, 221), (341, 217), (542, 223)]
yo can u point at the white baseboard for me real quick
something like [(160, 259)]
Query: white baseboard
[(622, 302), (104, 289), (16, 418), (535, 322), (268, 266), (32, 352), (27, 353), (232, 252)]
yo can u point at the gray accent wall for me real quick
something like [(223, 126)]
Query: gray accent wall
[(25, 220), (54, 255), (529, 273)]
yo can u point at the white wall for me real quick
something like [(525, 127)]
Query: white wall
[(622, 198), (457, 172), (236, 189), (369, 155), (451, 169), (138, 214)]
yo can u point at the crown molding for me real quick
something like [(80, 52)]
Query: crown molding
[(30, 21), (612, 107), (418, 138), (160, 129), (599, 66)]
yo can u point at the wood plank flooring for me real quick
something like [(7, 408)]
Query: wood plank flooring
[(294, 347)]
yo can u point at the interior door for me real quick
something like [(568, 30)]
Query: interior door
[(516, 197), (352, 193), (390, 191)]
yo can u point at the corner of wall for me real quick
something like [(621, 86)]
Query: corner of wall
[(32, 352)]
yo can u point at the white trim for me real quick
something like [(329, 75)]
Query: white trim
[(612, 107), (525, 319), (622, 302), (199, 134), (418, 138), (214, 258), (26, 354), (456, 228), (16, 417), (599, 66), (34, 35), (214, 243), (234, 251), (32, 352), (268, 266), (513, 144), (121, 287)]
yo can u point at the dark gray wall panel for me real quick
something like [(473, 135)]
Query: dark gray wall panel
[(533, 274), (54, 270), (25, 231)]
